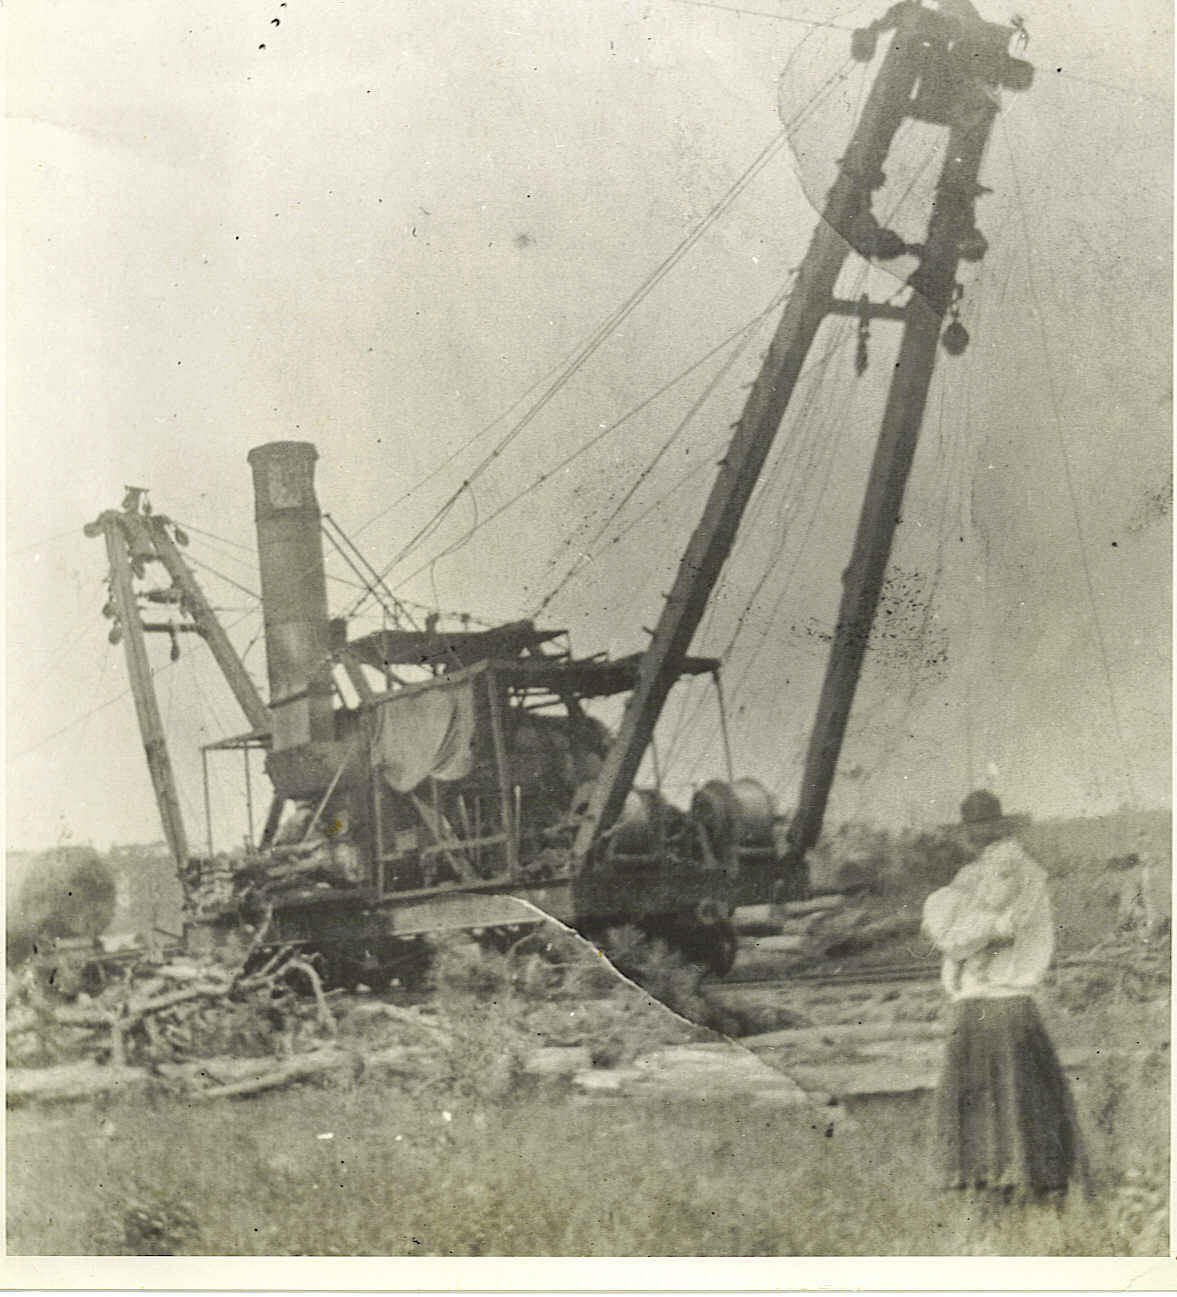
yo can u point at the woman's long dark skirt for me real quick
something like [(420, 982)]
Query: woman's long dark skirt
[(1004, 1117)]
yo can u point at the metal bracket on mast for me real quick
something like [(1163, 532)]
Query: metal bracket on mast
[(939, 68), (135, 536)]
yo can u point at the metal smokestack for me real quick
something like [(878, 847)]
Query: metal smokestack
[(294, 593)]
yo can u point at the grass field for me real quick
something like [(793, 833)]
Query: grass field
[(469, 1165), (372, 1169)]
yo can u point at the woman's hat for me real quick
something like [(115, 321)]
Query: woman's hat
[(981, 807)]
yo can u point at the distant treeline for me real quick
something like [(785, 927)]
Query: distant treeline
[(903, 862)]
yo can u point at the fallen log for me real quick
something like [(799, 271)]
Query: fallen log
[(302, 1067), (823, 902), (137, 1009), (231, 1077), (66, 1081), (395, 1014), (66, 1016), (188, 972), (844, 1034), (145, 989)]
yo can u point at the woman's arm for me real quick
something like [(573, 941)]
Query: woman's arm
[(959, 927), (1033, 929)]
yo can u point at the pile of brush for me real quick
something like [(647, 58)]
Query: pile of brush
[(177, 1019), (160, 1012), (211, 1028)]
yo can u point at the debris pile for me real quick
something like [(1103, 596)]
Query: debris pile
[(154, 1012), (209, 1028), (208, 885), (216, 885)]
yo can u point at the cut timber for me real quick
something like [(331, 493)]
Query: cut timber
[(393, 1013), (68, 1081), (814, 904), (222, 1069), (706, 1071), (755, 921), (844, 1034), (768, 920), (304, 1067)]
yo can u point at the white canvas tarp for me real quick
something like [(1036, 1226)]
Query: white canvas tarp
[(427, 733)]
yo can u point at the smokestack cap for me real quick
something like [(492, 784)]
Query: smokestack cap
[(283, 476)]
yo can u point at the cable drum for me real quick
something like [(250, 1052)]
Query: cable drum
[(646, 819), (734, 815)]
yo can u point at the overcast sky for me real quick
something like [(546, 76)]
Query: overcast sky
[(377, 226)]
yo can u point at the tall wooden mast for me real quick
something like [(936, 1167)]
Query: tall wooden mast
[(130, 630), (942, 68), (134, 537)]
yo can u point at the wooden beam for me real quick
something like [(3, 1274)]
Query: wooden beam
[(209, 626), (505, 795), (868, 310), (861, 172), (933, 284), (447, 844), (159, 763), (355, 673)]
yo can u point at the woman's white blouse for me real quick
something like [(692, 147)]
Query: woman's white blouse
[(962, 920)]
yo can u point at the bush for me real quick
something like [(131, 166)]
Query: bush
[(930, 859), (481, 1060), (666, 976), (852, 857)]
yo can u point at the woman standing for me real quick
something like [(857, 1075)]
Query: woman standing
[(1004, 1118)]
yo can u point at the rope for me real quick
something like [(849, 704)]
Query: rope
[(37, 544), (589, 348), (1064, 453), (599, 336), (235, 584), (394, 608), (585, 447), (764, 13), (742, 345)]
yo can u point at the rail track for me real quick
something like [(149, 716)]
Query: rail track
[(917, 971), (913, 972)]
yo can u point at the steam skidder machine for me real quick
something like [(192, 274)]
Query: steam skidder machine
[(460, 781), (447, 794)]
